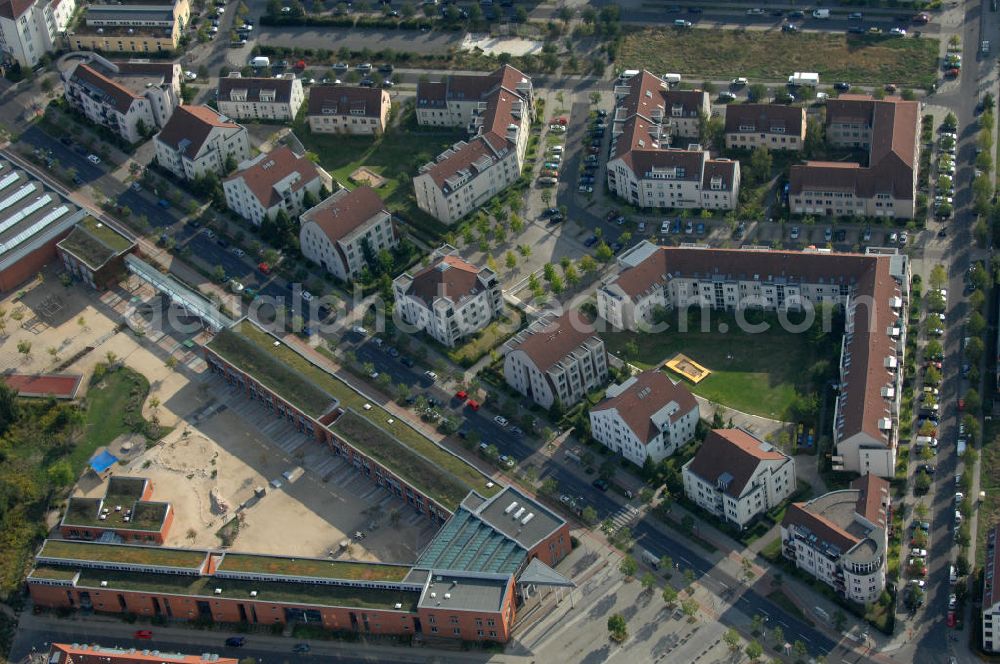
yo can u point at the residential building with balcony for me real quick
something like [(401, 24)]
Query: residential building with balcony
[(197, 140), (842, 538), (469, 173), (29, 29), (888, 130), (132, 98), (736, 476), (252, 98), (870, 288), (648, 167), (345, 231), (648, 416), (771, 126), (991, 592), (450, 299), (556, 359), (133, 27), (344, 109), (273, 182)]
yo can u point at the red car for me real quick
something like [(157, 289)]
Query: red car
[(561, 121), (461, 394), (952, 73), (143, 634), (473, 404), (961, 404), (951, 619), (264, 268)]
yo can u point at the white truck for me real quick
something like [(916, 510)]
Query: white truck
[(672, 79), (260, 61), (807, 78)]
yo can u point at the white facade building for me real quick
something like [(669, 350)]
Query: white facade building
[(197, 140), (842, 538), (277, 98), (344, 109), (450, 299), (648, 416), (468, 174), (648, 167), (129, 98), (871, 287), (30, 28), (556, 359), (991, 592), (272, 182), (737, 476), (336, 232)]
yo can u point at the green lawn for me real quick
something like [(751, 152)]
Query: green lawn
[(396, 156), (491, 336), (714, 54), (113, 402), (754, 373)]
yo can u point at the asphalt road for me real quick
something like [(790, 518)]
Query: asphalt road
[(412, 41), (69, 157)]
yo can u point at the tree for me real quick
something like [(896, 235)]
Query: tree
[(669, 595), (754, 651), (973, 402), (10, 409), (778, 635), (607, 470), (60, 473), (934, 350), (815, 141), (587, 264), (800, 650), (690, 607), (628, 567), (648, 581), (603, 252), (617, 628), (24, 348), (732, 639), (757, 92), (938, 278), (589, 515), (974, 350), (760, 165), (839, 619)]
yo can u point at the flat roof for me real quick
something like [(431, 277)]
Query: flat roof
[(313, 567), (59, 386), (141, 515), (277, 367), (121, 553), (29, 212), (267, 591), (402, 449), (53, 573), (512, 523), (464, 593)]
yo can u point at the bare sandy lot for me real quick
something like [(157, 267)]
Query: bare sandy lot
[(220, 442)]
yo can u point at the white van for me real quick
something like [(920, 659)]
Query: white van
[(556, 149), (672, 79), (627, 74), (650, 559), (821, 13), (260, 61), (926, 440), (952, 574)]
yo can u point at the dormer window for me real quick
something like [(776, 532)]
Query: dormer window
[(777, 130), (716, 183), (748, 128)]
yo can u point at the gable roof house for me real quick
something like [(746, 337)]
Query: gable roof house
[(197, 140), (344, 109), (272, 182), (254, 98), (771, 126)]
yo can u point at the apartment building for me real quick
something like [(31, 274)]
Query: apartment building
[(842, 538), (556, 359), (678, 113), (648, 416), (197, 140), (888, 129), (991, 593), (251, 98), (133, 27), (130, 98), (273, 182), (871, 288), (736, 476), (771, 126), (345, 230), (82, 653), (646, 169), (450, 299), (30, 29), (343, 109), (498, 118)]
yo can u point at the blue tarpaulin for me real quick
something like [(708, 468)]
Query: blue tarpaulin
[(103, 461)]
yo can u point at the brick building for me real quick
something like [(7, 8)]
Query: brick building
[(83, 653), (126, 512), (95, 253)]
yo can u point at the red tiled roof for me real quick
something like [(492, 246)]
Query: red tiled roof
[(271, 168), (556, 340), (118, 96), (12, 9), (345, 211), (651, 392), (450, 277), (193, 123), (466, 87), (873, 498), (343, 99), (732, 451), (463, 158), (798, 514)]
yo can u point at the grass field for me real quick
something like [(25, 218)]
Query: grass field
[(724, 54), (754, 373), (396, 156), (113, 404)]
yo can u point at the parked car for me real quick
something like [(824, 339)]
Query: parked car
[(236, 641), (601, 484), (500, 421)]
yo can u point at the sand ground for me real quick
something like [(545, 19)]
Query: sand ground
[(219, 441)]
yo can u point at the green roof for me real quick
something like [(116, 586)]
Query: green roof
[(326, 569), (279, 368), (55, 573), (118, 553), (267, 591), (122, 501), (440, 474), (94, 243)]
